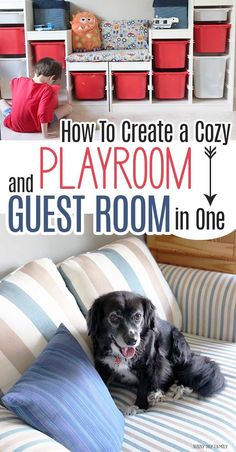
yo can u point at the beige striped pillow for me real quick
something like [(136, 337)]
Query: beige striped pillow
[(123, 265), (34, 301)]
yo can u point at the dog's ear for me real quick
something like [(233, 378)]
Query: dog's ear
[(149, 313), (94, 317)]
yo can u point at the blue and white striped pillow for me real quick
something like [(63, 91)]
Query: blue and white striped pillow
[(34, 301), (126, 264), (63, 396)]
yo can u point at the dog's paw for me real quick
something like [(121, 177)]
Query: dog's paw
[(181, 391), (156, 396), (131, 410)]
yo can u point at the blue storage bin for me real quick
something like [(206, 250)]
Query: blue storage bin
[(172, 8), (56, 12)]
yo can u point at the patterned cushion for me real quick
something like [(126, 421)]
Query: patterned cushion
[(187, 424), (124, 34), (123, 265), (16, 436), (110, 55), (63, 396), (206, 299), (33, 302)]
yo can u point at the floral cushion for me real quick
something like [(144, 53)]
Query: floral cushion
[(124, 34), (110, 55)]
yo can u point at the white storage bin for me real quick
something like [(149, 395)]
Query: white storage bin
[(10, 69), (11, 17), (210, 14), (209, 76)]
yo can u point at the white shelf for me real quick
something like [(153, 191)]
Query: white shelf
[(12, 4), (56, 35), (214, 3), (185, 33), (5, 58), (90, 67), (130, 66)]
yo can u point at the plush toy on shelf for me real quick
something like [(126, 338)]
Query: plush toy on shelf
[(85, 32)]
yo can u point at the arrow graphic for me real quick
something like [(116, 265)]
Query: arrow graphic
[(210, 153)]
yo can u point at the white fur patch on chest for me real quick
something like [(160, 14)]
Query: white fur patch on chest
[(119, 364), (121, 369)]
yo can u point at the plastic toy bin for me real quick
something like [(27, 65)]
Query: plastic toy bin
[(51, 49), (8, 70), (131, 85), (89, 85), (209, 76), (211, 14), (170, 85), (12, 41), (210, 38), (170, 54)]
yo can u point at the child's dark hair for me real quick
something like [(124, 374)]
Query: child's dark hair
[(48, 67)]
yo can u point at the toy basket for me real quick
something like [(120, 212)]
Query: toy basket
[(170, 85), (130, 85), (89, 85), (50, 49)]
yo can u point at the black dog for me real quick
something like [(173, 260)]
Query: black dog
[(134, 346)]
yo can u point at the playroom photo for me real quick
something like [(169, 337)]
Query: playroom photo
[(153, 58)]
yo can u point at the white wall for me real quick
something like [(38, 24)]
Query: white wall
[(116, 9), (17, 250)]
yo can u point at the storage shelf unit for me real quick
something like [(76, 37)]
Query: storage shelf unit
[(12, 66), (150, 104)]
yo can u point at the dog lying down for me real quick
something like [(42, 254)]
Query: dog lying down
[(134, 346)]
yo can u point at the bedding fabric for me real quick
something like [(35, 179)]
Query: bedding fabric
[(123, 265), (33, 302), (63, 396)]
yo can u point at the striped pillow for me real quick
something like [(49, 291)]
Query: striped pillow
[(33, 302), (63, 396), (123, 265)]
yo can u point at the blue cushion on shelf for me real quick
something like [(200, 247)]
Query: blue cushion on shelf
[(63, 396)]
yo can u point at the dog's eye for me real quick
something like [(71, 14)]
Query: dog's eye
[(114, 318), (137, 317)]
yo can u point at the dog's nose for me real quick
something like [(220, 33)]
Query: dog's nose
[(131, 341)]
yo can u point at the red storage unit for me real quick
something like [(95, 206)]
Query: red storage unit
[(50, 49), (89, 85), (170, 85), (131, 85), (12, 41), (210, 38), (170, 54)]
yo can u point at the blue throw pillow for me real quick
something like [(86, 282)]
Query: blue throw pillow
[(62, 395)]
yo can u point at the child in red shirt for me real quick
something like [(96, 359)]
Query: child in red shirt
[(32, 108)]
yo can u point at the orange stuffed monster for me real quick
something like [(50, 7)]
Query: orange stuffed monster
[(85, 31)]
